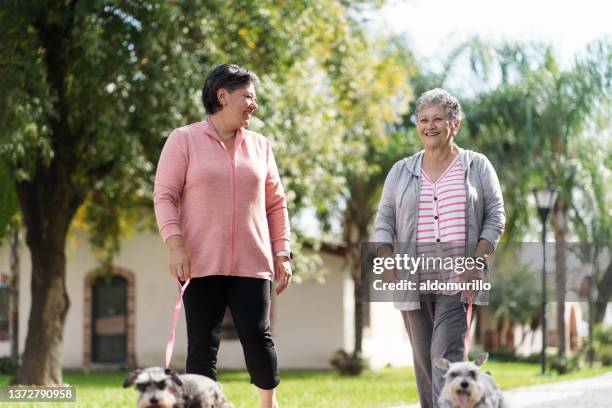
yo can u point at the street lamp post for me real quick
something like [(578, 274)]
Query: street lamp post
[(590, 351), (545, 200)]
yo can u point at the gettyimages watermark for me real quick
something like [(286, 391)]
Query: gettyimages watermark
[(403, 271), (444, 273)]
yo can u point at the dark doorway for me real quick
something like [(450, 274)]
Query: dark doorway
[(109, 320)]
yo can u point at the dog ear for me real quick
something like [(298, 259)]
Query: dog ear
[(480, 360), (174, 376), (131, 377), (442, 363)]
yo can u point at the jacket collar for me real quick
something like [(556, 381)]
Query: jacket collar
[(415, 162), (210, 131)]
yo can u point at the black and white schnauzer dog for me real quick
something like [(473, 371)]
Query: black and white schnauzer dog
[(161, 388), (467, 387)]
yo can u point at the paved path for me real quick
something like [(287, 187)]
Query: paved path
[(593, 392)]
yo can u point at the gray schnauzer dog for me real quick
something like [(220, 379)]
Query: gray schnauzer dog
[(161, 388), (467, 387)]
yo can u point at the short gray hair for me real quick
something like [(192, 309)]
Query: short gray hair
[(439, 96)]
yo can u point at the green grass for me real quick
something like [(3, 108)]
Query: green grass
[(305, 389)]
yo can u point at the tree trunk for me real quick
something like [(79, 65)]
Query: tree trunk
[(560, 260), (357, 218), (353, 261), (533, 326), (499, 328), (604, 292), (560, 226), (358, 318), (510, 334), (48, 204), (41, 362)]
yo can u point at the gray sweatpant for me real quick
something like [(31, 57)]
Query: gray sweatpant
[(436, 330)]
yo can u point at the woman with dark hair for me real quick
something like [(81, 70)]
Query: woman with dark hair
[(441, 202), (221, 211)]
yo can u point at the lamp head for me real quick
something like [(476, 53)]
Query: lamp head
[(545, 200)]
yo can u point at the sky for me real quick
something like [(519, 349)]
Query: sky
[(435, 26)]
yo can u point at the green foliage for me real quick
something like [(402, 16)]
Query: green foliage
[(130, 72), (565, 365), (604, 354), (536, 125), (514, 288), (602, 343), (505, 354), (8, 201), (541, 124), (602, 334), (348, 364), (499, 354), (8, 365)]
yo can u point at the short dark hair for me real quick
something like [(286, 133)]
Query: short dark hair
[(228, 76)]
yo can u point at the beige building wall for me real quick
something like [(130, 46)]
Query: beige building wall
[(308, 319), (308, 324), (386, 341)]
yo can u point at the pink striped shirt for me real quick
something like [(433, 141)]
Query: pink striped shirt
[(231, 211), (441, 220)]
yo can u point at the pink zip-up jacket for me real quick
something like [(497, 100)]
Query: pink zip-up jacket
[(231, 211)]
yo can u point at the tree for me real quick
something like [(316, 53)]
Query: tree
[(88, 92), (593, 218), (370, 80), (74, 97), (540, 111)]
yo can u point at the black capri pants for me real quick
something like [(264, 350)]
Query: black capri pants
[(248, 299)]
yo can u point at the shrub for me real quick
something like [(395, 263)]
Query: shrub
[(504, 354), (8, 365), (531, 358), (564, 365), (602, 343), (605, 355), (348, 364), (602, 334)]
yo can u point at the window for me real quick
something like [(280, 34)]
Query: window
[(109, 320)]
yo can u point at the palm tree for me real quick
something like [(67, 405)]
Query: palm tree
[(530, 124)]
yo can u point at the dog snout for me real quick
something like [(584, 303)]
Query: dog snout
[(464, 384), (153, 400)]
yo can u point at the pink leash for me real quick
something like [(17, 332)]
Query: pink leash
[(466, 339), (175, 317)]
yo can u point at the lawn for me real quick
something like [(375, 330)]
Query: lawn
[(304, 389)]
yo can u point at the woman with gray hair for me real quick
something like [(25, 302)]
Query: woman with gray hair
[(442, 202)]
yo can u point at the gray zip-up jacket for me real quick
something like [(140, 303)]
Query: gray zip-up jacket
[(396, 219)]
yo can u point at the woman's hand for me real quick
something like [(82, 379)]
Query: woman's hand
[(282, 269), (474, 272), (180, 265), (484, 249)]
